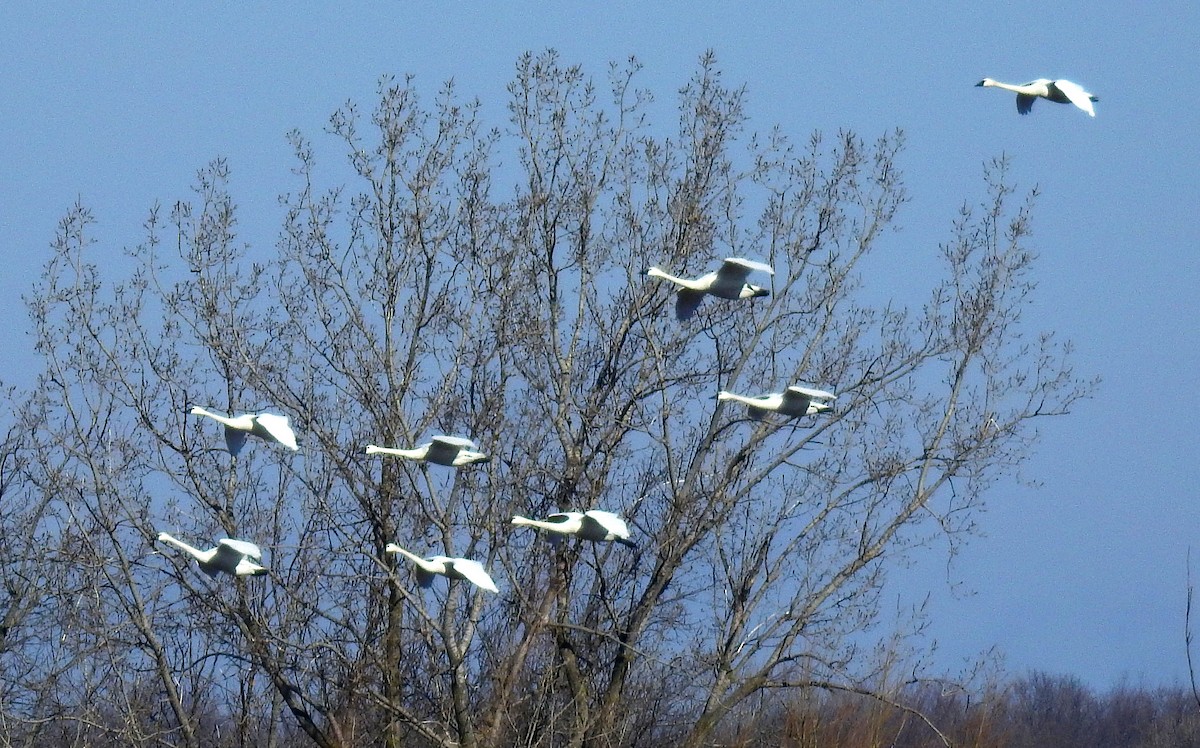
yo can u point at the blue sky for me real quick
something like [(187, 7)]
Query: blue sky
[(118, 105)]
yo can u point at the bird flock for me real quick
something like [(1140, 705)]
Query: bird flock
[(242, 558)]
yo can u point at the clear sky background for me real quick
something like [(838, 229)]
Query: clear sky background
[(118, 104)]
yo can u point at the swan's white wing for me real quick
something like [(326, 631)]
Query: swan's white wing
[(230, 553), (740, 267), (1025, 103), (687, 302), (1078, 96), (443, 449), (796, 401), (812, 392), (227, 546), (474, 572), (279, 429), (610, 522)]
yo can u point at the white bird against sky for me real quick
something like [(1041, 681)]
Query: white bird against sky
[(266, 426), (728, 282), (1061, 91), (793, 402), (453, 568), (595, 525), (453, 451), (237, 557)]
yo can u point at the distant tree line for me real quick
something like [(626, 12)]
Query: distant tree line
[(1037, 710)]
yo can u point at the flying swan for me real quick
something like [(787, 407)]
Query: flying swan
[(794, 402), (1061, 91), (728, 282), (237, 557), (453, 568), (595, 525), (454, 451), (266, 426)]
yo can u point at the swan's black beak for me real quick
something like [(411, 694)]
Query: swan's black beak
[(980, 83), (761, 292)]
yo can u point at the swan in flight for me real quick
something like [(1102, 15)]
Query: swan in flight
[(454, 451), (454, 568), (237, 557), (267, 426), (728, 282), (1061, 91), (794, 402), (595, 525)]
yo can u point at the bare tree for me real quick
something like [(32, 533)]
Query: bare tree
[(23, 517), (490, 283)]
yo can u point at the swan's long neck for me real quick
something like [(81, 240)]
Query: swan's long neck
[(523, 521), (228, 422), (413, 454), (1029, 90), (393, 548), (757, 402), (685, 282), (562, 528), (192, 550)]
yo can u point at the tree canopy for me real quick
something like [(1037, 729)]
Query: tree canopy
[(488, 280)]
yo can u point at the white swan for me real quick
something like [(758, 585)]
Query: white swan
[(267, 426), (595, 525), (237, 557), (728, 282), (794, 402), (1061, 91), (454, 451), (454, 568)]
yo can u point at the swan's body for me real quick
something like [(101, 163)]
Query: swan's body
[(454, 451), (237, 557), (728, 282), (453, 568), (595, 525), (1061, 91), (266, 426), (794, 402)]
